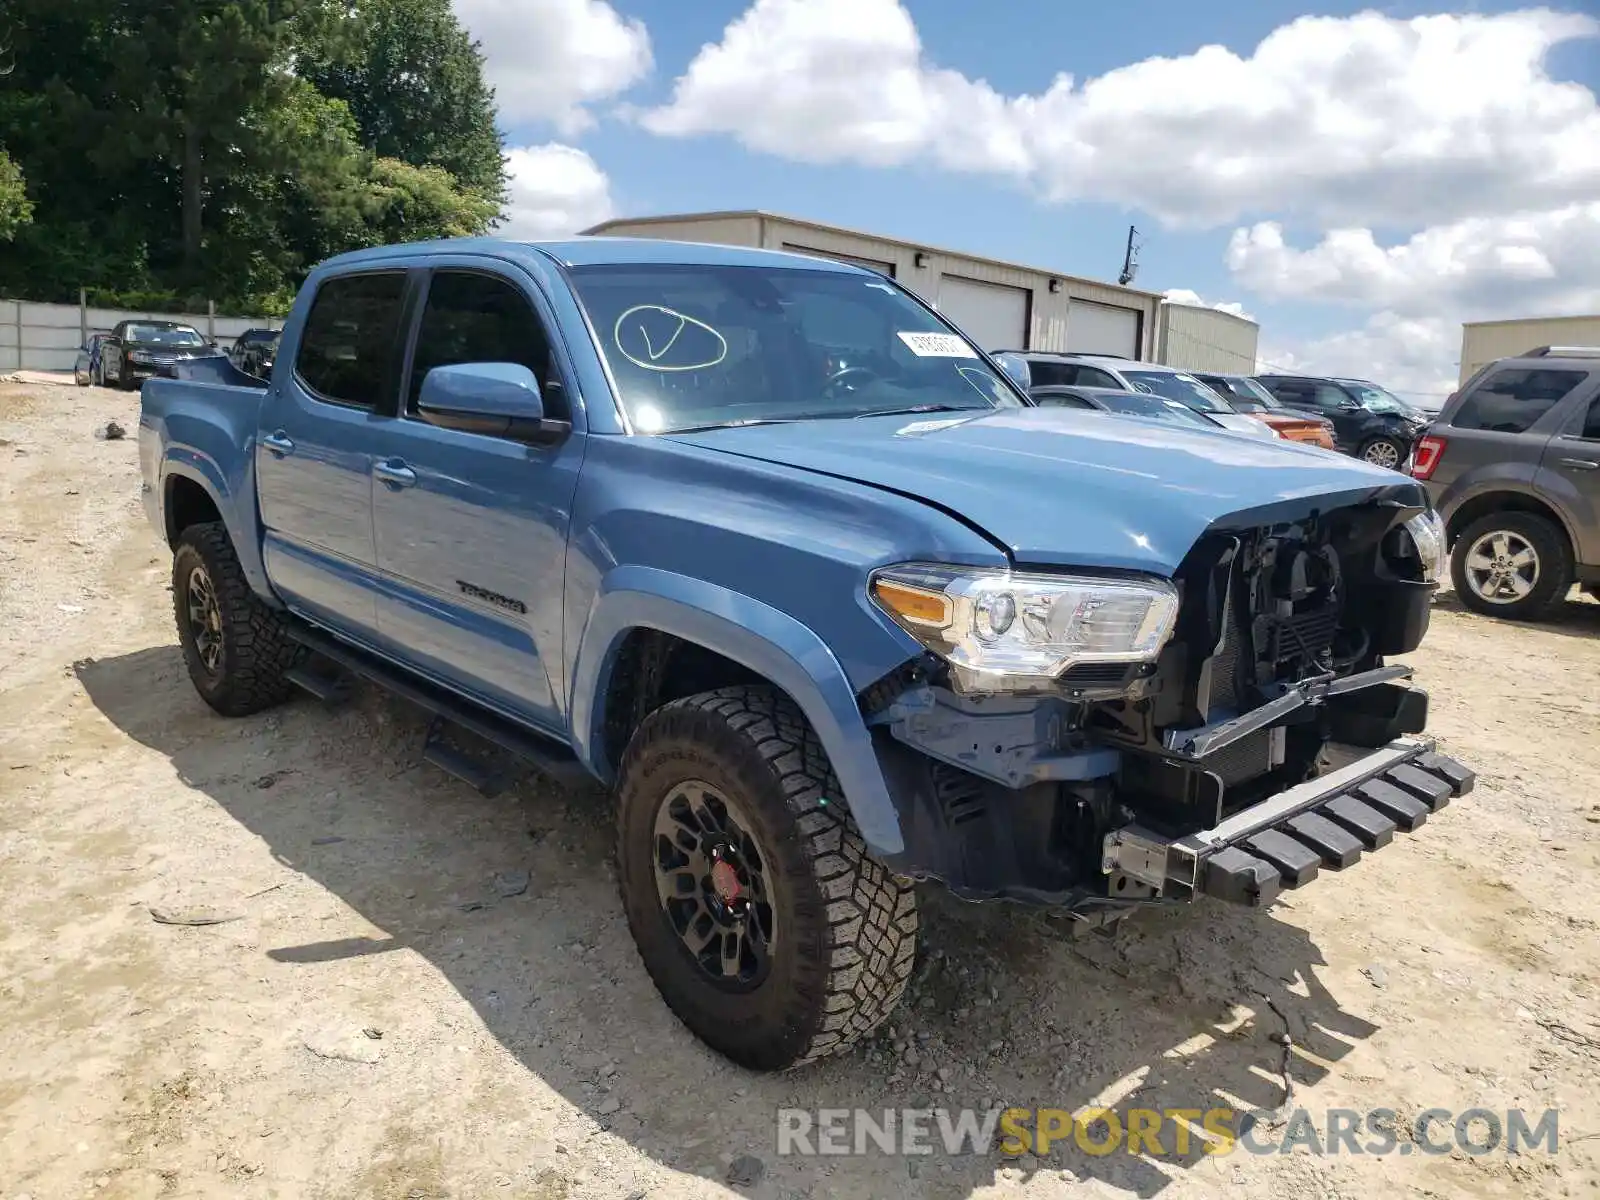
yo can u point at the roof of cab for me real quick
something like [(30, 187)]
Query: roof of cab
[(597, 251)]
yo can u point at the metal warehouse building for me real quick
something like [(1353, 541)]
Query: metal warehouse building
[(1002, 305), (1206, 339), (1484, 341)]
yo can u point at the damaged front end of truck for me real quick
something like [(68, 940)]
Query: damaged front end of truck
[(1100, 742)]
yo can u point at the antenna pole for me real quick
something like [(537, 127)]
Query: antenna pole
[(1129, 267)]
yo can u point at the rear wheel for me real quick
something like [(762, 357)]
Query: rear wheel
[(1512, 564), (762, 919), (236, 648)]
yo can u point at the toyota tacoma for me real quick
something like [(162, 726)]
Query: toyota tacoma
[(772, 550)]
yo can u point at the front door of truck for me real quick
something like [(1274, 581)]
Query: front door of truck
[(313, 453), (471, 529)]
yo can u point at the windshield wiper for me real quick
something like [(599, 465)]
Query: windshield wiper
[(739, 424), (921, 408)]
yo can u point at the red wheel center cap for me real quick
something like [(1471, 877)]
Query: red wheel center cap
[(726, 882)]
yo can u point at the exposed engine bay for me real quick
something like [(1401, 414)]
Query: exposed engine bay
[(1277, 663)]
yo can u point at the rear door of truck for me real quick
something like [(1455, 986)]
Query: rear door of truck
[(314, 448), (470, 528)]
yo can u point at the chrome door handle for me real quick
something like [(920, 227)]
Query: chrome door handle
[(395, 474), (1580, 464), (278, 443)]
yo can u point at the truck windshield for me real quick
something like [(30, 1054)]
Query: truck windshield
[(1174, 386), (692, 346)]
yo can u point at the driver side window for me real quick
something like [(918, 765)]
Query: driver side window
[(1328, 397), (471, 317)]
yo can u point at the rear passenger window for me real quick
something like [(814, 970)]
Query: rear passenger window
[(1591, 424), (1049, 374), (1089, 377), (473, 318), (1511, 400), (348, 344)]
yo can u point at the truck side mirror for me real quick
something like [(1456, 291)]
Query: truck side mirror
[(501, 399), (1016, 368)]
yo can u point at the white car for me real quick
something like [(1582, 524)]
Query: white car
[(1154, 379)]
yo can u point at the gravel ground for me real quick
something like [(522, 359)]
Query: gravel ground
[(425, 993)]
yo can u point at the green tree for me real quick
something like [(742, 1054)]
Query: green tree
[(183, 148), (16, 210), (414, 80), (409, 204)]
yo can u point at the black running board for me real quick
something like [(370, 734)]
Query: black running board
[(546, 755)]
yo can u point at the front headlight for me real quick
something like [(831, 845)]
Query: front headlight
[(1427, 535), (140, 356), (1004, 631)]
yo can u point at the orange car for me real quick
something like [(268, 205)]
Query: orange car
[(1249, 397)]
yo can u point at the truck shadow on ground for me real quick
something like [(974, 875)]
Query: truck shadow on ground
[(1185, 1009)]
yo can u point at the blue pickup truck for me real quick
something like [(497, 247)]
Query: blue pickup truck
[(776, 553)]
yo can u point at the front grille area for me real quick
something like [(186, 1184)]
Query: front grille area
[(1242, 761), (1304, 637), (1097, 675)]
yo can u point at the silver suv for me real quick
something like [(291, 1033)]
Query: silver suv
[(1513, 465)]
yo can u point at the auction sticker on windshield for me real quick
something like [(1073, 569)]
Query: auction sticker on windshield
[(937, 345)]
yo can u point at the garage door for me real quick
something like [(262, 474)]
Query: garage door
[(1102, 329), (991, 314), (870, 263)]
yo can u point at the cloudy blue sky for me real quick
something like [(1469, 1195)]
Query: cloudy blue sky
[(1360, 180)]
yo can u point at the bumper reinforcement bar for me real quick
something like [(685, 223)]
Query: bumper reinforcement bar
[(1281, 843)]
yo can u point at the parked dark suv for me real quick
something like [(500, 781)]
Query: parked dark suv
[(1368, 422), (1513, 466)]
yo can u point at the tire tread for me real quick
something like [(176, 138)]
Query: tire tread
[(870, 914)]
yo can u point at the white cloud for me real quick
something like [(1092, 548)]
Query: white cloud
[(838, 80), (1186, 296), (1413, 356), (555, 191), (548, 58), (1526, 263), (1361, 120)]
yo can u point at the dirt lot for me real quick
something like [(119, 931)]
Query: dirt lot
[(523, 1051)]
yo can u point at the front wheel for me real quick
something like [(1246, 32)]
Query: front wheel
[(1512, 564), (1384, 452), (236, 648), (761, 917)]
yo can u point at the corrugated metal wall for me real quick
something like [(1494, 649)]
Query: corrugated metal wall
[(1206, 339), (1048, 311), (49, 334), (1485, 341)]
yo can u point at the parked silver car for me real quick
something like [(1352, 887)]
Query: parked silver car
[(1127, 375)]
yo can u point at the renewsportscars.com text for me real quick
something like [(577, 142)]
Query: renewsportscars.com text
[(1160, 1133)]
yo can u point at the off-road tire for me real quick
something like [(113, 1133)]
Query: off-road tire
[(256, 648), (847, 926), (1548, 540)]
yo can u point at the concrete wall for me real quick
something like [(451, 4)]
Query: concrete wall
[(1206, 339), (1484, 341), (49, 334), (1048, 310)]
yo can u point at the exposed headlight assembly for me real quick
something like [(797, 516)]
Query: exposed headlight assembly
[(1427, 535), (1004, 631)]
